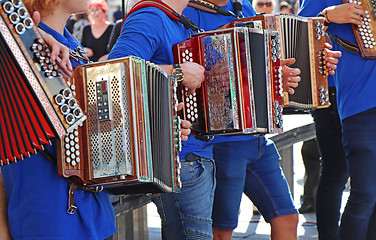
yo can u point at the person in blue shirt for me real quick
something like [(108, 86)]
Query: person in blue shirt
[(250, 164), (356, 102), (149, 33), (37, 198)]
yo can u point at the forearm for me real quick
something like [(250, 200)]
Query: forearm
[(4, 227)]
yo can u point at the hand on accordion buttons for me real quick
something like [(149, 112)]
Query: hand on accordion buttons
[(59, 52), (345, 13), (193, 76), (290, 76), (185, 125), (331, 58)]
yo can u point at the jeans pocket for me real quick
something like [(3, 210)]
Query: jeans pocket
[(191, 171)]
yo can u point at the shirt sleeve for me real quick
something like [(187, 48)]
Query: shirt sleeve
[(139, 36)]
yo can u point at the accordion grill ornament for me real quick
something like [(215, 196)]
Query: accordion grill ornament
[(242, 91), (303, 39), (131, 139), (37, 104), (365, 34)]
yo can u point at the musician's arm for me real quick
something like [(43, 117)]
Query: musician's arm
[(4, 227), (344, 13), (193, 75)]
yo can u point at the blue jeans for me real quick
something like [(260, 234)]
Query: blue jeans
[(251, 167), (359, 140), (334, 169), (187, 215)]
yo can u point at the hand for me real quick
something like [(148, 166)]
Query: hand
[(331, 58), (193, 76), (346, 13), (59, 52), (290, 76), (88, 51), (185, 125)]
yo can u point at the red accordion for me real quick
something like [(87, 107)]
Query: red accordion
[(242, 91), (37, 105)]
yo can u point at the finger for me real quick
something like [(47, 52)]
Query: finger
[(64, 55), (184, 138), (358, 9), (295, 79), (36, 18), (294, 72), (293, 84), (356, 19), (291, 91), (180, 106), (289, 61), (332, 72), (185, 124), (64, 69), (328, 46), (331, 60)]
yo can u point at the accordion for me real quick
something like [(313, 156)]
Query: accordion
[(242, 91), (130, 140), (36, 104), (302, 39), (365, 34)]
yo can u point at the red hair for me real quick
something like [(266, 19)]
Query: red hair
[(41, 5), (102, 4)]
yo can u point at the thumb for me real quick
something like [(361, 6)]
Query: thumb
[(36, 18), (288, 61)]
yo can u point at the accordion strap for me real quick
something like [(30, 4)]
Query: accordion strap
[(208, 6), (349, 46), (188, 23)]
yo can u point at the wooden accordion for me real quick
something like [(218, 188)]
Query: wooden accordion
[(242, 91), (365, 34), (302, 39), (130, 140), (36, 104)]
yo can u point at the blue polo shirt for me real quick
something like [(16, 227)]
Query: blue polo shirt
[(210, 21), (38, 197), (355, 77), (150, 34)]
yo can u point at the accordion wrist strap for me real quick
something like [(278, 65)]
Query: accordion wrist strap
[(349, 46)]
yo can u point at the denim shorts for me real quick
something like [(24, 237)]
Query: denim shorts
[(251, 167), (187, 215)]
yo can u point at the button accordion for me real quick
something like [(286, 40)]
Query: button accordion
[(365, 34), (130, 140), (302, 39), (242, 91), (36, 103)]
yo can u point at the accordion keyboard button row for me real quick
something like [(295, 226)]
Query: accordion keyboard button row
[(72, 148)]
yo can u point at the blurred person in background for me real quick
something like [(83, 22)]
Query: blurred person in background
[(95, 36), (285, 7), (118, 14), (264, 6), (78, 26)]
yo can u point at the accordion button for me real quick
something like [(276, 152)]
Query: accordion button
[(14, 18), (66, 139), (73, 163), (67, 159), (67, 146), (67, 152), (78, 159)]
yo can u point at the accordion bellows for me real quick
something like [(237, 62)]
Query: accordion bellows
[(37, 105)]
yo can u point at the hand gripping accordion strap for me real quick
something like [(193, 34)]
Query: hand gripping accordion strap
[(188, 24)]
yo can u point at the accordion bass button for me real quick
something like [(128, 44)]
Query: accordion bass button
[(20, 28), (8, 7), (22, 12), (67, 160), (14, 18)]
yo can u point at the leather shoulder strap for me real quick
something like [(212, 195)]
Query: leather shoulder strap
[(167, 10)]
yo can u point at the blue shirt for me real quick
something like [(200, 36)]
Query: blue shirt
[(210, 21), (38, 197), (150, 34), (355, 77)]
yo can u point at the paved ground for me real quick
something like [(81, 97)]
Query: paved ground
[(253, 227)]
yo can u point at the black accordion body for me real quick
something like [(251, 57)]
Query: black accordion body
[(36, 104), (242, 91), (302, 39), (130, 140), (365, 34)]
